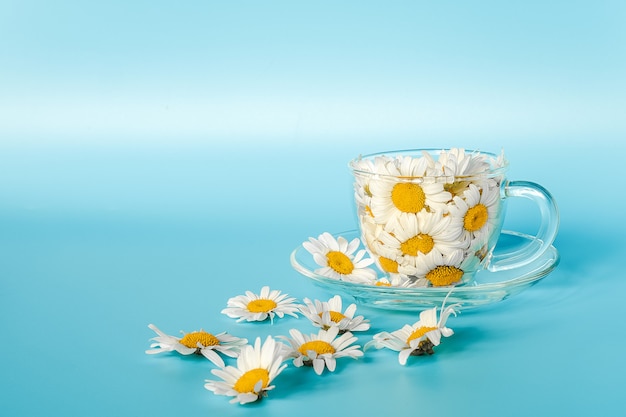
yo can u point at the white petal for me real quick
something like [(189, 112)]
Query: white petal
[(318, 366), (331, 363), (213, 357), (403, 356)]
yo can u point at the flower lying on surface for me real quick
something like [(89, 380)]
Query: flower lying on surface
[(199, 342), (249, 381), (253, 307), (321, 350), (418, 339), (326, 314), (338, 259)]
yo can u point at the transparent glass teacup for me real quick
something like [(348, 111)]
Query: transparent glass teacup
[(432, 217)]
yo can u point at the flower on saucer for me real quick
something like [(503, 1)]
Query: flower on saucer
[(338, 259), (253, 307), (327, 314), (199, 342), (418, 339), (249, 381), (322, 350)]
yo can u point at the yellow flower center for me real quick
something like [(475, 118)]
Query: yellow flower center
[(335, 316), (369, 211), (475, 218), (366, 190), (419, 332), (383, 284), (389, 265), (247, 381), (422, 243), (318, 346), (444, 275), (408, 197), (261, 305), (340, 262), (206, 339)]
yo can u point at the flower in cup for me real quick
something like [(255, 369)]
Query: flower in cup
[(258, 307), (440, 270), (401, 188), (198, 342), (322, 350), (338, 259), (478, 210), (327, 314), (417, 339), (396, 280), (362, 193), (460, 168), (249, 381), (414, 235), (456, 162)]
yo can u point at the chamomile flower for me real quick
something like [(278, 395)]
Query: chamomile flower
[(362, 194), (338, 259), (402, 191), (258, 307), (415, 235), (478, 208), (257, 366), (199, 342), (419, 338), (456, 162), (390, 260), (327, 314), (322, 350), (442, 270)]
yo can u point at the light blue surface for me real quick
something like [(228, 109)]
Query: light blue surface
[(157, 159)]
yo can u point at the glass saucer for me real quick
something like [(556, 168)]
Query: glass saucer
[(487, 288)]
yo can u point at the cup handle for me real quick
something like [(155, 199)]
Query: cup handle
[(547, 229)]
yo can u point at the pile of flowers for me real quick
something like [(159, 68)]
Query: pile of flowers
[(425, 221), (260, 363)]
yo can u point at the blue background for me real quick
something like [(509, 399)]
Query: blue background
[(158, 158)]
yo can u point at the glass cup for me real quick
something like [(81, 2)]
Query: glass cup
[(432, 218)]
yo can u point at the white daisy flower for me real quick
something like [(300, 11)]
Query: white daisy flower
[(442, 270), (338, 259), (418, 339), (389, 258), (321, 350), (199, 342), (479, 210), (460, 168), (253, 307), (326, 314), (257, 366), (412, 166), (362, 174), (456, 162), (415, 234), (402, 191)]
